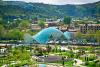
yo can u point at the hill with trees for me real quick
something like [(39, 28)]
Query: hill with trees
[(27, 10)]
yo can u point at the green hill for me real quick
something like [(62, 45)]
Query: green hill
[(18, 8)]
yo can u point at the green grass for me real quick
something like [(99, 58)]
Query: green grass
[(69, 63)]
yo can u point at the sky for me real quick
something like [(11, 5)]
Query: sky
[(59, 2)]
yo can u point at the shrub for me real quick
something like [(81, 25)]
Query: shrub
[(98, 64)]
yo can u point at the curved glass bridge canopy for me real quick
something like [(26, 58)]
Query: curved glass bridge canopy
[(68, 35), (46, 34)]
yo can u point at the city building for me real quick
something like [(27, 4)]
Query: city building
[(4, 49), (86, 27), (35, 21), (51, 22), (35, 27)]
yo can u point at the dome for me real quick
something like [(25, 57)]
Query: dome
[(51, 33), (43, 36), (68, 35)]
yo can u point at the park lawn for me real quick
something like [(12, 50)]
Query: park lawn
[(69, 63)]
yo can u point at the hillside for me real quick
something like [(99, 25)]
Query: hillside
[(17, 8)]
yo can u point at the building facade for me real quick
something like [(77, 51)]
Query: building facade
[(84, 28)]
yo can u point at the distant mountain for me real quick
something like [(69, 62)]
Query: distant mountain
[(18, 8)]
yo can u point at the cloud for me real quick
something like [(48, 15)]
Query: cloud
[(59, 2)]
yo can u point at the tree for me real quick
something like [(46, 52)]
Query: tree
[(98, 10), (98, 22), (90, 35), (24, 24), (18, 34), (84, 41), (15, 23), (14, 34), (1, 31), (1, 20), (48, 48), (97, 64), (63, 61), (41, 23), (67, 20), (97, 36), (78, 35)]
